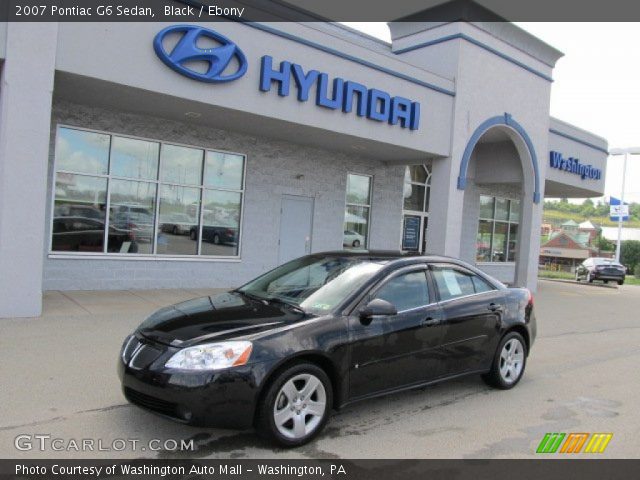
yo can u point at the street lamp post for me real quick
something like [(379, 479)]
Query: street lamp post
[(626, 152)]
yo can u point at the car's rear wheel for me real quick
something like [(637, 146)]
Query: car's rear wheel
[(620, 282), (216, 239), (577, 277), (296, 405), (508, 363), (589, 277), (356, 243)]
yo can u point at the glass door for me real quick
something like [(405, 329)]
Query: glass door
[(417, 192)]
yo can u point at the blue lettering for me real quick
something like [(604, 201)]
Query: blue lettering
[(375, 104), (304, 81), (351, 88), (322, 95), (379, 105), (573, 165), (269, 75), (415, 116), (400, 110)]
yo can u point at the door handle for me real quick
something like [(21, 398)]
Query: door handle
[(494, 307), (430, 321)]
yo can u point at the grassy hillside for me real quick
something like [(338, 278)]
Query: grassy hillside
[(556, 217)]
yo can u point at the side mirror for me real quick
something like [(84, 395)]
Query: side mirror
[(375, 307)]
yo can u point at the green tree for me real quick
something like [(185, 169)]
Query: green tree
[(587, 209), (630, 253), (604, 245)]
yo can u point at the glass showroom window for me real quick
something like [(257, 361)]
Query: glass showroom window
[(356, 216), (152, 192), (497, 230)]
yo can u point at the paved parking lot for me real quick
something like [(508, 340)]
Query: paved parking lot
[(58, 379)]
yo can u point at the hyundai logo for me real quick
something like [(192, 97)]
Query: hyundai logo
[(187, 51)]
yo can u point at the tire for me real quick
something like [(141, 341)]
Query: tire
[(577, 277), (216, 239), (356, 243), (193, 235), (620, 282), (294, 428), (174, 230), (589, 278), (498, 376)]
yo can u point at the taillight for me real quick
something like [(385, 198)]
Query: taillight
[(530, 299), (230, 232)]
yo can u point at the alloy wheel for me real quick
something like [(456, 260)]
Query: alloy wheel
[(300, 406), (511, 361)]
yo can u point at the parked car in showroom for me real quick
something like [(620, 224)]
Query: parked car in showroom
[(82, 234), (216, 234), (352, 239), (605, 269), (321, 332), (177, 224)]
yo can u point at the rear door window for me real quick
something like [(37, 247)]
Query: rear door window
[(452, 283)]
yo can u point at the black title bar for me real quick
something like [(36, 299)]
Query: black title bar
[(317, 10), (583, 469)]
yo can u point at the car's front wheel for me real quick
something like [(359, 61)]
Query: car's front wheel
[(296, 405), (508, 363)]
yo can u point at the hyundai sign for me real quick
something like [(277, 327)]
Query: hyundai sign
[(187, 50), (227, 62)]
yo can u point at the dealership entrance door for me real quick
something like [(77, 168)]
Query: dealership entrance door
[(415, 220), (296, 224)]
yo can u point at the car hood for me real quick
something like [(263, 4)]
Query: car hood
[(215, 318)]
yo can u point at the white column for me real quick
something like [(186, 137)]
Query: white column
[(26, 87), (445, 208)]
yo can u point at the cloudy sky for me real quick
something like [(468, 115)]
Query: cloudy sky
[(596, 87)]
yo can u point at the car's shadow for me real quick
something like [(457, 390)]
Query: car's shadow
[(359, 419)]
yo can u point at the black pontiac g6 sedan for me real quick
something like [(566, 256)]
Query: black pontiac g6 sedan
[(321, 332)]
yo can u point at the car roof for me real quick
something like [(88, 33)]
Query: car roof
[(390, 256)]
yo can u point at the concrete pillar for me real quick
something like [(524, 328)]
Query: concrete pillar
[(445, 209), (26, 89)]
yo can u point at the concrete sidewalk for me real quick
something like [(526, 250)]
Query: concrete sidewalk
[(83, 302)]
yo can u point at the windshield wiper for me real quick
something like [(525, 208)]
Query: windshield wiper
[(293, 306), (252, 296)]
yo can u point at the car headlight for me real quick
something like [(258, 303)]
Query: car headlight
[(211, 356)]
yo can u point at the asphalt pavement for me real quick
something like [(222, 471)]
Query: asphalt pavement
[(59, 381)]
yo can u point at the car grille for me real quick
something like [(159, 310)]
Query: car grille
[(140, 354), (151, 403)]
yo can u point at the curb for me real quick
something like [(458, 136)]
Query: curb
[(562, 280)]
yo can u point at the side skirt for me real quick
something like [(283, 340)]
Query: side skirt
[(412, 386)]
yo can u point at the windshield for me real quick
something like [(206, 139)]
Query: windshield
[(606, 261), (318, 285)]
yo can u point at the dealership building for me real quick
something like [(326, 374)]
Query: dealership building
[(149, 155)]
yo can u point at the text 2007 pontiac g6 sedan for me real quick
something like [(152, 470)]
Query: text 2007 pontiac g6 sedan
[(323, 331)]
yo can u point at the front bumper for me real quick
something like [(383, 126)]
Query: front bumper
[(224, 399)]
